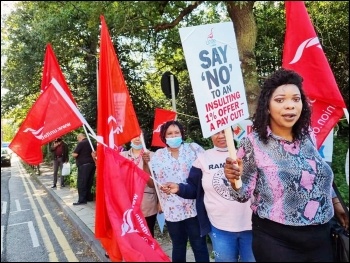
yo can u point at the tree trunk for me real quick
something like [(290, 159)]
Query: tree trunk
[(246, 35)]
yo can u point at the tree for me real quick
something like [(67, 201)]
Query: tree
[(147, 42)]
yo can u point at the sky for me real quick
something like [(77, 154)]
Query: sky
[(7, 6)]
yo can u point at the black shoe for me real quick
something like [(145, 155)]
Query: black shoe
[(54, 186), (80, 203), (106, 255)]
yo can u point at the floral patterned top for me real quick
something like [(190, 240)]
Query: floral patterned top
[(290, 181), (149, 205), (169, 169)]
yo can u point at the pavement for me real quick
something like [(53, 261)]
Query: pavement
[(83, 216)]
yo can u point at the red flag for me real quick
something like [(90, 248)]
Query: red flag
[(117, 124), (50, 117), (303, 53), (124, 209), (161, 116), (53, 70)]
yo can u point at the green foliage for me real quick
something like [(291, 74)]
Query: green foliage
[(270, 39), (31, 169), (71, 179), (7, 130), (340, 148), (147, 42), (331, 23), (332, 28)]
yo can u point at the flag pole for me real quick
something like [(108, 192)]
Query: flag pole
[(150, 168), (88, 137), (71, 104), (172, 86)]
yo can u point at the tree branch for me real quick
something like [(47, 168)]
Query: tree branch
[(179, 18)]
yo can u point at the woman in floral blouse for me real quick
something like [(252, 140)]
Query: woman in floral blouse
[(172, 164)]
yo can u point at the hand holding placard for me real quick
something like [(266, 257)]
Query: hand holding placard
[(232, 151)]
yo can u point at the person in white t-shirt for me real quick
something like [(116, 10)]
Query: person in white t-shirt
[(227, 221)]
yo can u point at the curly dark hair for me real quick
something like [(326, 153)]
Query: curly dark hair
[(261, 117), (165, 127)]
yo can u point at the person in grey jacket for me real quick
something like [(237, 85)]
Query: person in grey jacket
[(59, 150)]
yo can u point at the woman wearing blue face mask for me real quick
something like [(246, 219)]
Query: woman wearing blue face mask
[(227, 221), (149, 205), (172, 164)]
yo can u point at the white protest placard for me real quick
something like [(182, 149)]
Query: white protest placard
[(213, 63)]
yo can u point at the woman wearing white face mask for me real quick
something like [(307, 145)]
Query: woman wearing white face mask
[(149, 205), (172, 164)]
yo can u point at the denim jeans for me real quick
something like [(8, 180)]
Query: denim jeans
[(182, 231), (232, 246)]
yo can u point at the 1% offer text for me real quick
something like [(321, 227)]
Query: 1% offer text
[(210, 117)]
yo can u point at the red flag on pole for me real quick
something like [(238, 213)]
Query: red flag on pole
[(161, 116), (303, 53), (53, 70), (117, 124), (50, 117), (124, 209)]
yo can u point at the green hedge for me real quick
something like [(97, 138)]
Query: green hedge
[(340, 148)]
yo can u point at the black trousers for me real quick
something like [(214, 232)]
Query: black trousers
[(274, 242), (151, 222), (86, 173)]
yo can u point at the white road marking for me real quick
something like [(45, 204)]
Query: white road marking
[(67, 250), (46, 239), (4, 207), (14, 212), (2, 238), (32, 232), (18, 205)]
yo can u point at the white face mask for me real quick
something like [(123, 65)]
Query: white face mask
[(221, 149), (174, 142)]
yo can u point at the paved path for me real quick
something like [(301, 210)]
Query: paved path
[(83, 216)]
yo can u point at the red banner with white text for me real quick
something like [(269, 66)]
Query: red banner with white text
[(303, 53), (124, 209), (50, 117), (117, 124)]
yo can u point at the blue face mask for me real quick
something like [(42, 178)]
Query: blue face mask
[(174, 142), (136, 147)]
